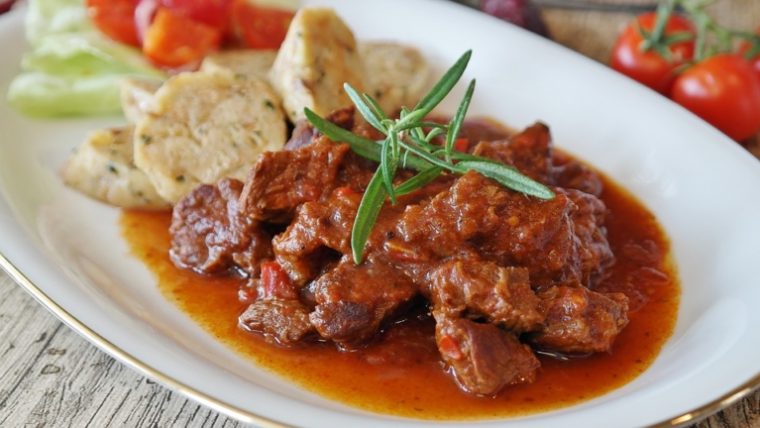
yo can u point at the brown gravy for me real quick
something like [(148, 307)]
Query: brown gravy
[(401, 373)]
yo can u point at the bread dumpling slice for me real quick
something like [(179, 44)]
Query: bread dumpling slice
[(102, 167), (318, 55), (250, 62), (137, 97), (396, 75), (204, 127)]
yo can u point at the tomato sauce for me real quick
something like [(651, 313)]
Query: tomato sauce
[(400, 373)]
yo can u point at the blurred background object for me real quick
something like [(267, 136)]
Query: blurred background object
[(5, 5)]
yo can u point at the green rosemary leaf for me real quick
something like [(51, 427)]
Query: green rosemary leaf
[(362, 146), (387, 167), (418, 181), (365, 110), (433, 133), (420, 125), (429, 157), (508, 177), (438, 92), (375, 106), (456, 122), (366, 216)]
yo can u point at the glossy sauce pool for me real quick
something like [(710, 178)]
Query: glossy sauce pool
[(400, 373)]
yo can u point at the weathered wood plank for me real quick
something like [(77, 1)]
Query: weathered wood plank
[(50, 376)]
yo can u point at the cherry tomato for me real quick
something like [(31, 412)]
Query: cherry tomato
[(115, 19), (214, 13), (260, 27), (650, 68), (174, 41), (724, 91), (756, 60)]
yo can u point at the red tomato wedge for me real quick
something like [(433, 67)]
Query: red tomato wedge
[(115, 19), (215, 13), (174, 41), (260, 27)]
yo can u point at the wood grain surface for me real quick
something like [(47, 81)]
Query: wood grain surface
[(51, 377)]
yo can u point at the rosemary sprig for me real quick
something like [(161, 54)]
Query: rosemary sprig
[(408, 143)]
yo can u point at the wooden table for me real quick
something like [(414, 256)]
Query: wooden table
[(49, 376)]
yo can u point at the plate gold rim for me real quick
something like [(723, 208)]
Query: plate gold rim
[(123, 356), (690, 417)]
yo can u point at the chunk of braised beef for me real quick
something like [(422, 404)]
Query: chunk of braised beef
[(530, 151), (259, 248), (283, 321), (281, 181), (208, 230), (510, 229), (304, 134), (502, 295), (482, 357), (594, 250), (477, 130), (572, 174), (316, 226), (353, 300), (580, 321)]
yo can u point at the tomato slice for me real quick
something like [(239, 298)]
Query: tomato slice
[(260, 27), (115, 19), (214, 13), (174, 41), (724, 91)]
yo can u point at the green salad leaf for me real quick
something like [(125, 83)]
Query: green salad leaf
[(71, 69)]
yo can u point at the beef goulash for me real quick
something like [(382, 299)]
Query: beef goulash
[(504, 275)]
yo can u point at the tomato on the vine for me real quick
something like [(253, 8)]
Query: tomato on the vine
[(755, 60), (724, 91), (115, 19), (650, 67)]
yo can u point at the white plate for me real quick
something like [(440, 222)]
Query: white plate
[(66, 249)]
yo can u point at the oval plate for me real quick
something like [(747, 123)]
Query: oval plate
[(67, 251)]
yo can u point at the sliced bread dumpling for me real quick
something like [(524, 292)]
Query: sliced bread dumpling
[(396, 75), (250, 62), (103, 168), (204, 127), (318, 55), (137, 97)]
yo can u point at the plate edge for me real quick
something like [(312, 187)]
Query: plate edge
[(690, 417), (126, 358)]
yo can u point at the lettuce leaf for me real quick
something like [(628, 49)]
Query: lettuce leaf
[(45, 17), (85, 54), (71, 68), (43, 95)]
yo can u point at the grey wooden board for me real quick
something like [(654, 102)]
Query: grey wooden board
[(51, 377)]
